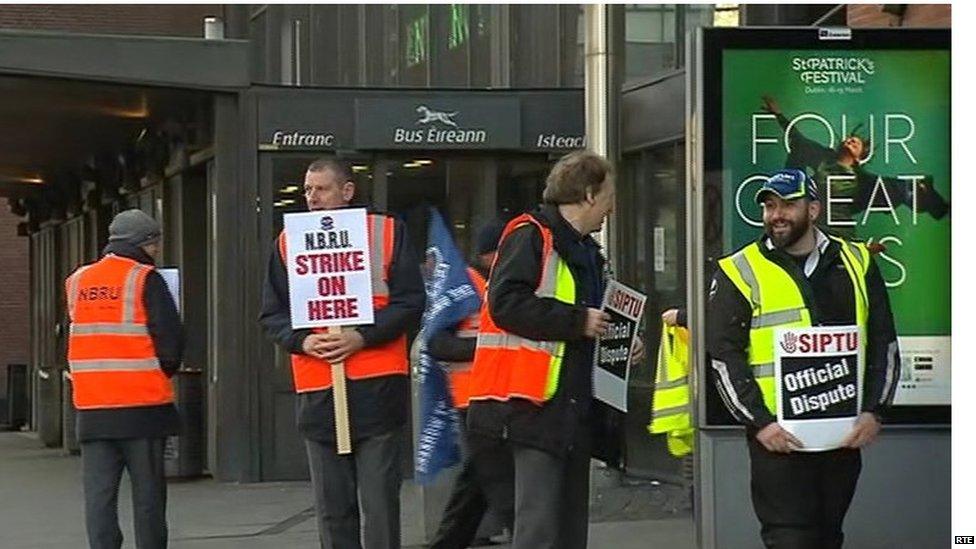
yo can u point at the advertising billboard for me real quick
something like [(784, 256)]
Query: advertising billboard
[(868, 118)]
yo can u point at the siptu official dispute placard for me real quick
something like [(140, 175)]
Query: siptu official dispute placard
[(329, 268), (625, 307), (818, 382)]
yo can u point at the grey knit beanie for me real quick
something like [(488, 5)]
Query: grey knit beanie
[(134, 227)]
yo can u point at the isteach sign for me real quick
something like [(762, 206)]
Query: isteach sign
[(431, 122)]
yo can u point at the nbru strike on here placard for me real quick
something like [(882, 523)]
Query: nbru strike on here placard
[(329, 268)]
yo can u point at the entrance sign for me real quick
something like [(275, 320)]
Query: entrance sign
[(818, 382), (328, 268), (612, 369), (329, 285)]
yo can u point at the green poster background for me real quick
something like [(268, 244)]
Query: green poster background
[(889, 85)]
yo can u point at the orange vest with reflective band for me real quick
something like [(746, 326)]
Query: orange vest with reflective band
[(459, 373), (110, 352), (315, 374), (507, 365)]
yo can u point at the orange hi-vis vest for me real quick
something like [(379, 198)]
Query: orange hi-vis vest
[(507, 365), (459, 373), (315, 374), (110, 352)]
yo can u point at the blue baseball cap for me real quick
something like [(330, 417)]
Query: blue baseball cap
[(789, 184)]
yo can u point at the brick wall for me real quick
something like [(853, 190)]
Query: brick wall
[(14, 296), (916, 15), (148, 19)]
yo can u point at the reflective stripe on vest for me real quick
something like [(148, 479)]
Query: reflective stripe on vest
[(314, 374), (777, 302), (671, 405), (111, 354), (507, 365), (459, 373)]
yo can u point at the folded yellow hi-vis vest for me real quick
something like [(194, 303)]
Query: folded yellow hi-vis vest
[(671, 409)]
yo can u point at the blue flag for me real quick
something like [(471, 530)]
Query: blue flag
[(451, 297)]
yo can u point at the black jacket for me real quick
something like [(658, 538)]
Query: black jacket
[(376, 405), (166, 331), (554, 426), (828, 294)]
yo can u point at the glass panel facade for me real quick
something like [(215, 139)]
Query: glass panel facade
[(450, 45), (418, 45), (480, 32), (324, 37), (414, 44), (535, 46), (656, 34), (382, 40), (351, 60), (571, 45), (650, 47), (451, 38)]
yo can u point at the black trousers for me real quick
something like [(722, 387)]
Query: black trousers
[(801, 498), (487, 478), (364, 483), (102, 462), (552, 496)]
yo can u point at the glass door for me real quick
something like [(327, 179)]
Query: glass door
[(468, 190)]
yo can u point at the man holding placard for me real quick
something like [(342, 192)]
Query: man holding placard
[(532, 379), (804, 353), (346, 268)]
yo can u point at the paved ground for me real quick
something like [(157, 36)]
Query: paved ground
[(41, 507)]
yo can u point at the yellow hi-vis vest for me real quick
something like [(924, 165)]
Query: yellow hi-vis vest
[(778, 303), (671, 407)]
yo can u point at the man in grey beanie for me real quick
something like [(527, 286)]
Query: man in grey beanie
[(126, 341), (136, 228)]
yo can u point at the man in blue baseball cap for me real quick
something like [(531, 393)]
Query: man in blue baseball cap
[(798, 277), (792, 200)]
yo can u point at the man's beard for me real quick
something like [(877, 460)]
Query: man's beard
[(796, 231)]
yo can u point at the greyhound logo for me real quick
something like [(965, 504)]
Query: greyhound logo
[(427, 116)]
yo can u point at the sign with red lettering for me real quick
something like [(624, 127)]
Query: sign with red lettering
[(818, 379), (328, 263), (612, 369)]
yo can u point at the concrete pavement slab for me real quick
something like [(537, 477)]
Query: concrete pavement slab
[(42, 507)]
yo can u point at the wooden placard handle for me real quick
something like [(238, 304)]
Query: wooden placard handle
[(340, 401)]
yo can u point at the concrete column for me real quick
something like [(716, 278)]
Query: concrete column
[(603, 61)]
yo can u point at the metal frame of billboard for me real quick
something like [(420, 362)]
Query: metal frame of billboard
[(703, 147)]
